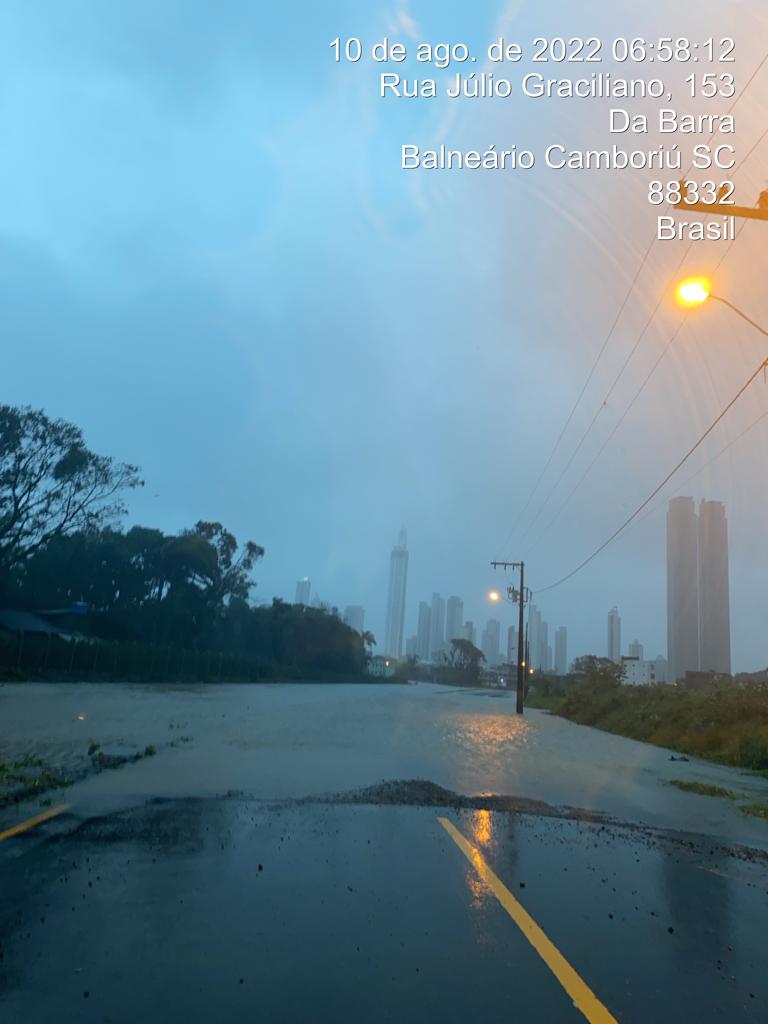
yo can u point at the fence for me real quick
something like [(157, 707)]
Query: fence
[(49, 657)]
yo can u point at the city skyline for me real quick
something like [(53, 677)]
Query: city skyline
[(697, 546)]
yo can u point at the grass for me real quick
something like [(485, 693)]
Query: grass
[(727, 723), (756, 810), (703, 788)]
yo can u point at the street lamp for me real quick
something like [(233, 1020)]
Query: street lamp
[(695, 291)]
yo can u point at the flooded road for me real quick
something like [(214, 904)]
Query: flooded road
[(255, 867), (282, 741)]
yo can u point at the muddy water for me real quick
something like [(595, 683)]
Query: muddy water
[(281, 741)]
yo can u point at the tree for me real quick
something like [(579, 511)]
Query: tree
[(599, 670), (463, 659), (369, 642), (51, 484)]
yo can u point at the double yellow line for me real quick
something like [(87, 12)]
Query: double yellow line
[(31, 822), (584, 999)]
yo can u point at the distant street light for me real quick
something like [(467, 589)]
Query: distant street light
[(696, 290), (494, 596)]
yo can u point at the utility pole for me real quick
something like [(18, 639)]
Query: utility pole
[(519, 597), (759, 212)]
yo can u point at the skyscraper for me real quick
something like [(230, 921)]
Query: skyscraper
[(469, 631), (354, 617), (682, 587), (714, 598), (454, 619), (561, 651), (534, 637), (614, 635), (490, 642), (398, 577), (545, 651), (512, 645), (303, 590), (437, 628), (635, 650), (423, 631)]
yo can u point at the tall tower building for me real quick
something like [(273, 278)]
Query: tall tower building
[(545, 651), (423, 631), (437, 628), (469, 631), (454, 619), (614, 635), (561, 651), (491, 641), (714, 598), (398, 577), (354, 617), (534, 637), (682, 588), (303, 589), (512, 645), (635, 650)]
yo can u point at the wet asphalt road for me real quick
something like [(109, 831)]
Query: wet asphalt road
[(235, 910)]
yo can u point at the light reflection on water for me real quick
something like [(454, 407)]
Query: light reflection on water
[(490, 735), (481, 827)]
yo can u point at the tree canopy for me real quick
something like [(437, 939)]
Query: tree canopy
[(52, 484)]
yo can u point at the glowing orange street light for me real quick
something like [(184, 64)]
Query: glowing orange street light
[(693, 291), (696, 290)]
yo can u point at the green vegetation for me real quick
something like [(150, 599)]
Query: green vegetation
[(150, 750), (703, 788), (144, 604), (726, 723), (755, 810)]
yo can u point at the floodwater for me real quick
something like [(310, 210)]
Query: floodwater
[(278, 741)]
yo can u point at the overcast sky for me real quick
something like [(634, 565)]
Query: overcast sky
[(211, 261)]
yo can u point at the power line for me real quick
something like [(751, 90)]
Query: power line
[(664, 482), (634, 398), (628, 359), (709, 462), (581, 394)]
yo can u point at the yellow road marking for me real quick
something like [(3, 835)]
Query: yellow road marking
[(582, 995), (31, 822)]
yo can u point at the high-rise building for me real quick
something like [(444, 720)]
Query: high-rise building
[(614, 635), (682, 587), (410, 647), (636, 650), (545, 651), (398, 578), (303, 590), (354, 617), (470, 633), (423, 631), (714, 598), (437, 628), (698, 598), (534, 638), (561, 651), (490, 642), (512, 645), (454, 619)]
